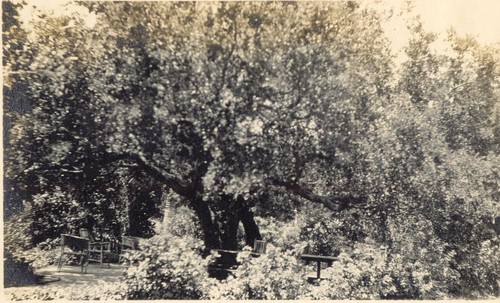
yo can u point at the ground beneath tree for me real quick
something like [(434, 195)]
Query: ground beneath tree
[(69, 277)]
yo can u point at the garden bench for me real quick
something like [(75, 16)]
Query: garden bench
[(318, 259)]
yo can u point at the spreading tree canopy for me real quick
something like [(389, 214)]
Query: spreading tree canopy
[(218, 102)]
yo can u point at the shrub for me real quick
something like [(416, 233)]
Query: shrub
[(21, 254), (475, 246), (285, 235), (323, 235), (17, 273), (167, 268), (488, 271), (17, 233), (317, 231), (56, 212), (44, 254), (184, 223), (276, 275), (100, 290), (479, 269), (356, 275), (371, 271), (173, 268), (418, 250)]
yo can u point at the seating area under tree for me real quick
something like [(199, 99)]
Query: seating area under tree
[(85, 248)]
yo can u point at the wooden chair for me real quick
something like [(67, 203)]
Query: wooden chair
[(97, 250), (76, 247), (129, 244)]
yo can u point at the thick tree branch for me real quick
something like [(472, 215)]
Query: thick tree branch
[(335, 203), (179, 186)]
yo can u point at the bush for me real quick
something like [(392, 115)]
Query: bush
[(317, 231), (419, 261), (284, 235), (371, 271), (167, 268), (17, 273), (360, 274), (44, 254), (415, 265), (54, 213), (19, 246), (324, 234), (184, 223), (276, 275), (488, 271), (479, 269), (171, 267), (100, 290), (474, 242), (17, 233)]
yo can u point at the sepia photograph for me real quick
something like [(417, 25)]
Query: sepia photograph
[(251, 150)]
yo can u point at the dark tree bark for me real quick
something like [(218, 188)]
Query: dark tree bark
[(229, 235), (227, 221), (179, 186), (210, 231), (337, 203), (252, 231)]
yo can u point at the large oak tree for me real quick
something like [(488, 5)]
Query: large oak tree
[(219, 102)]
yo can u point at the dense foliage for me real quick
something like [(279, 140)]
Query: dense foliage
[(172, 266), (291, 111)]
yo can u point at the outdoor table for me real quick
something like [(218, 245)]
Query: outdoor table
[(318, 259)]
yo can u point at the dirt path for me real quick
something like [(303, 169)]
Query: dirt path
[(69, 278)]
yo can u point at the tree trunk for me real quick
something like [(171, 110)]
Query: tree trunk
[(211, 232), (252, 231), (221, 232), (237, 210), (229, 236)]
